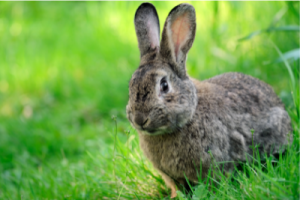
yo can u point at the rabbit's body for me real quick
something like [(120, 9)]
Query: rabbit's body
[(221, 127), (186, 125)]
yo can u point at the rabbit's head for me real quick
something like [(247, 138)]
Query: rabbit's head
[(162, 98)]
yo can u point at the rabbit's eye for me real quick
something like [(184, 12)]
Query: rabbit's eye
[(164, 85)]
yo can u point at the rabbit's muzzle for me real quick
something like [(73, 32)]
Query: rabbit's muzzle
[(140, 120)]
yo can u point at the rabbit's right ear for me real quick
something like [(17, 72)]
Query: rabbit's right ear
[(147, 28)]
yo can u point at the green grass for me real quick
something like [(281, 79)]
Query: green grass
[(64, 72)]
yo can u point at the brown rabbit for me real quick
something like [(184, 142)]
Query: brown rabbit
[(182, 122)]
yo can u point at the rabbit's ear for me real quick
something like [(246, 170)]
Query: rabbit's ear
[(147, 28), (178, 36)]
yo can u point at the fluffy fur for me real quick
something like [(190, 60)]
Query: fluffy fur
[(196, 122)]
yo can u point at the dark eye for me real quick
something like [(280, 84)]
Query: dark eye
[(164, 85)]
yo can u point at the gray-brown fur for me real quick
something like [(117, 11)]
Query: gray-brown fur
[(197, 122)]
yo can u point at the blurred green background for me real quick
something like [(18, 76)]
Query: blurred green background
[(64, 72)]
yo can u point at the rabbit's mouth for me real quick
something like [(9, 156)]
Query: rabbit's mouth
[(159, 131), (149, 129)]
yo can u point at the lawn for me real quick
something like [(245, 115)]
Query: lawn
[(64, 73)]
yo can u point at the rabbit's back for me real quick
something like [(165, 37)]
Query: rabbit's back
[(254, 94), (246, 111)]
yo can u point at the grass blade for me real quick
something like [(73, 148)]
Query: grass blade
[(286, 64), (271, 29), (292, 55), (284, 28), (251, 35)]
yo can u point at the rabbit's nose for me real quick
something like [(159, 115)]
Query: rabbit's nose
[(140, 119)]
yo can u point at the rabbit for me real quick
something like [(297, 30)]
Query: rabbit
[(184, 124)]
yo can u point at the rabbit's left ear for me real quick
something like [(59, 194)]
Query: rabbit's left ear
[(178, 36)]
